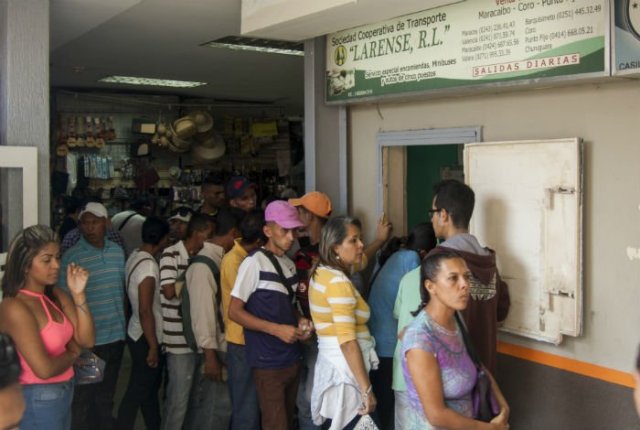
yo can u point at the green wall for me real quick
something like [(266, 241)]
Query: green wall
[(423, 172)]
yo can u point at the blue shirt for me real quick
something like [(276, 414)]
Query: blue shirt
[(383, 326), (259, 286), (105, 288)]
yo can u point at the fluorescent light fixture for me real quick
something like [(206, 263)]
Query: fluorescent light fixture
[(239, 43), (133, 80)]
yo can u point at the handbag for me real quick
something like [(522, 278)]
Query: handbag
[(88, 368), (485, 404), (366, 423)]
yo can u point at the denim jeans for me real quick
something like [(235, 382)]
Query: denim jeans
[(181, 371), (142, 391), (48, 406), (209, 404), (307, 370), (93, 403), (245, 412)]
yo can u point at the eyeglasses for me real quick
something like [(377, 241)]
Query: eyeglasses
[(182, 211), (433, 211)]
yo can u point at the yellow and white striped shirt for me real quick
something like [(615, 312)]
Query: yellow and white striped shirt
[(337, 308)]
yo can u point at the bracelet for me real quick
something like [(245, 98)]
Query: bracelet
[(81, 307), (366, 393), (81, 304)]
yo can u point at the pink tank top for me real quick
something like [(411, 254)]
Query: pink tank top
[(55, 337)]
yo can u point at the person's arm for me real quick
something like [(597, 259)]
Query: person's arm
[(201, 285), (284, 332), (168, 275), (75, 307), (353, 356), (19, 322), (146, 290), (426, 376), (383, 232), (505, 411)]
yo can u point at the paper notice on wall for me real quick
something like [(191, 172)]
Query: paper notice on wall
[(283, 159)]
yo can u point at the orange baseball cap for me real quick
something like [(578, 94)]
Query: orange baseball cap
[(315, 202)]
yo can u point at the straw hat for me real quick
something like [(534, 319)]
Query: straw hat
[(62, 150), (100, 142), (184, 127), (209, 150), (203, 120), (177, 143)]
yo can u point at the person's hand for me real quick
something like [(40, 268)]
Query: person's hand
[(306, 327), (153, 357), (77, 278), (74, 348), (212, 369), (287, 333), (500, 421), (383, 231), (369, 403)]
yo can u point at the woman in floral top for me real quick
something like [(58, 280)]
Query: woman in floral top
[(439, 373)]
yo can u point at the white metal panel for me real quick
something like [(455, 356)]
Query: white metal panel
[(529, 209), (25, 158)]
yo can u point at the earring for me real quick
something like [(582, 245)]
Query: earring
[(337, 257)]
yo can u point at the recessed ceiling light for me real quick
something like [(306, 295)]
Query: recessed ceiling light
[(133, 80), (239, 43)]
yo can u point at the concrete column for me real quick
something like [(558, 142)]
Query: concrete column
[(24, 101), (325, 131)]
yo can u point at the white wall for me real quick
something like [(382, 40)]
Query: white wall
[(606, 117), (24, 96)]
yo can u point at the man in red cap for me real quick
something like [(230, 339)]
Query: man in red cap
[(263, 302), (241, 193)]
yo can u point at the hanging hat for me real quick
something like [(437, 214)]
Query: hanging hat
[(203, 120), (100, 143), (177, 143), (184, 128), (62, 150), (210, 149)]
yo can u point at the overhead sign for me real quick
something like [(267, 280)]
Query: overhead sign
[(626, 36), (469, 43)]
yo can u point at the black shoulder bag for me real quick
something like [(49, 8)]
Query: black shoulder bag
[(485, 405)]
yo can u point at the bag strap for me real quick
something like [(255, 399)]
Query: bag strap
[(473, 354), (283, 279), (126, 220), (135, 267), (216, 275)]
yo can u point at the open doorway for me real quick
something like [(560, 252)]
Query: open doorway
[(410, 163)]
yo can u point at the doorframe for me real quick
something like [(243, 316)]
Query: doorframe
[(432, 136)]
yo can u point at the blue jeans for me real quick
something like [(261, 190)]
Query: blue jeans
[(47, 406), (181, 371), (307, 370), (209, 405), (245, 412)]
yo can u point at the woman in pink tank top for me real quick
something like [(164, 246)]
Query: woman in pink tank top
[(49, 326)]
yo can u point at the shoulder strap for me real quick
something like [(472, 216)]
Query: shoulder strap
[(135, 267), (126, 220), (283, 279), (467, 342), (216, 275)]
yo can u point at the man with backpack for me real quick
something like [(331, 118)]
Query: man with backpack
[(209, 404), (262, 301), (180, 358)]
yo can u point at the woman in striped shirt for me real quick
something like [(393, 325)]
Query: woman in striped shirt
[(342, 389)]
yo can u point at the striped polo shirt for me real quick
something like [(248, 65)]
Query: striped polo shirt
[(173, 263), (105, 288), (337, 308), (259, 286)]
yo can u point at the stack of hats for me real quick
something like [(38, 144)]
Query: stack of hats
[(195, 132)]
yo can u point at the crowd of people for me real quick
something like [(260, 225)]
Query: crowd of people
[(241, 318)]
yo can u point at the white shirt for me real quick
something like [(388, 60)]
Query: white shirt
[(131, 232), (146, 268)]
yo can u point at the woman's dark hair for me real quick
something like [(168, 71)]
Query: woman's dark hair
[(429, 269), (334, 232), (9, 363), (22, 250), (154, 229), (251, 227), (421, 237)]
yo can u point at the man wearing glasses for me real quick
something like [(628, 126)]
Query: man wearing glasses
[(450, 214)]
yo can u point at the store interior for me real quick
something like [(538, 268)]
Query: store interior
[(119, 142)]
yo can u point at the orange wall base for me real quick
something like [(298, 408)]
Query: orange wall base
[(568, 364)]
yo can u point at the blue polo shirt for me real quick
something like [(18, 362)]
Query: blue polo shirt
[(259, 286), (105, 288)]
